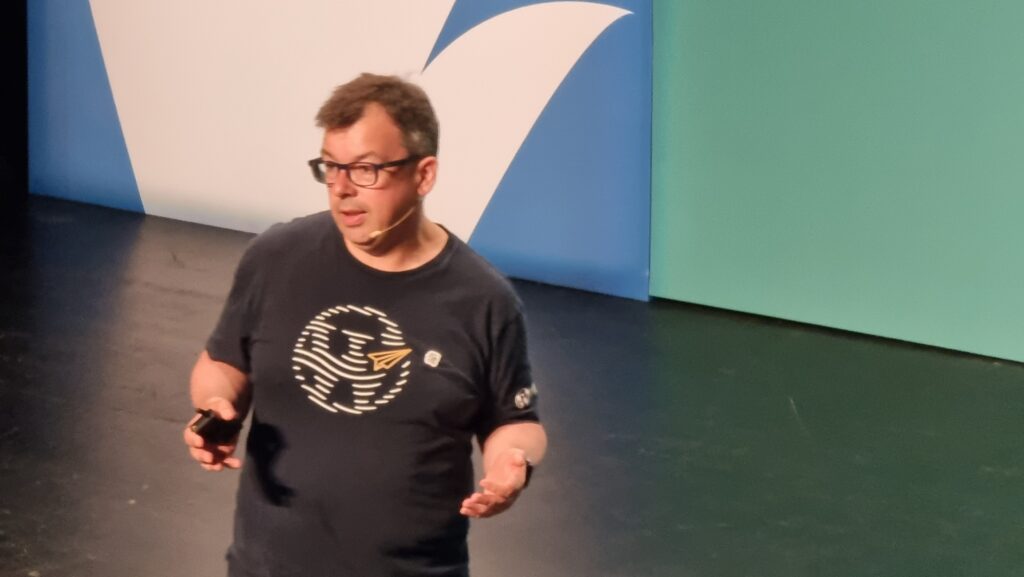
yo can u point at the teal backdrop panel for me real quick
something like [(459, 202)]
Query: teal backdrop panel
[(856, 165)]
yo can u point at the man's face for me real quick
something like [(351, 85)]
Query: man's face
[(359, 210)]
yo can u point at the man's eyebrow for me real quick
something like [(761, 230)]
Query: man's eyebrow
[(361, 157)]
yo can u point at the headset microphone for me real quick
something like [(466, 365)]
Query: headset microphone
[(408, 213)]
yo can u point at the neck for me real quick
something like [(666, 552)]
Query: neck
[(401, 252)]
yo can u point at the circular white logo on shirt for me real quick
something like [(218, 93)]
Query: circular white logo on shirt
[(351, 359)]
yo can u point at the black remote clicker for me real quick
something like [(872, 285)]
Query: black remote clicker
[(214, 429)]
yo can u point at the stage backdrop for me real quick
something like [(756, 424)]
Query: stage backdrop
[(849, 164), (203, 111)]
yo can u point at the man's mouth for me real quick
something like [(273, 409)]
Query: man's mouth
[(352, 217)]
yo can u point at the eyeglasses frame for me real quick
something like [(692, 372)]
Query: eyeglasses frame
[(315, 163)]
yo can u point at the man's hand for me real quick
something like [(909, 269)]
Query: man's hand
[(214, 457), (500, 488)]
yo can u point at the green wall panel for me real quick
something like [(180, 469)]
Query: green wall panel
[(858, 165)]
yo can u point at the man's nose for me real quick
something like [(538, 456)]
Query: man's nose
[(341, 185)]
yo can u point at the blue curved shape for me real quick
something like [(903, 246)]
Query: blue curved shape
[(76, 147), (574, 207), (466, 14)]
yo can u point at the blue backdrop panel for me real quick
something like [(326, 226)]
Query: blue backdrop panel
[(76, 148), (574, 207)]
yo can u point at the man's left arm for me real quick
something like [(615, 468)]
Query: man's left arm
[(506, 452)]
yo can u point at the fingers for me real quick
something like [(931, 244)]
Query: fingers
[(480, 505), (222, 408), (487, 504), (470, 508), (191, 438), (507, 483), (500, 487), (230, 462), (216, 455), (211, 457)]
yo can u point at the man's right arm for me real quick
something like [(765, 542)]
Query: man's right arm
[(225, 390)]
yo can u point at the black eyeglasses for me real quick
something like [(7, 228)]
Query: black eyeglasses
[(358, 173)]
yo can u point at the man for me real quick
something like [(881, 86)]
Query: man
[(372, 346)]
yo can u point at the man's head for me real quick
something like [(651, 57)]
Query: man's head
[(406, 104), (378, 160)]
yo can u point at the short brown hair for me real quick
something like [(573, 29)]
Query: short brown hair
[(406, 103)]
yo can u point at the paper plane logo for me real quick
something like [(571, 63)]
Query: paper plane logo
[(384, 360)]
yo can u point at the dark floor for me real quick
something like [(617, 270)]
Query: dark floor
[(685, 441)]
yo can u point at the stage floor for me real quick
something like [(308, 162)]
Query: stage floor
[(685, 441)]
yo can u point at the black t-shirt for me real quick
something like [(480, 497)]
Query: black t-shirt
[(368, 388)]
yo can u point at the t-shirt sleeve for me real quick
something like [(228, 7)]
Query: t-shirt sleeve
[(513, 394), (232, 336)]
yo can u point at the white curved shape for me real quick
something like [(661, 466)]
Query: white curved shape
[(344, 408), (488, 88), (216, 99), (314, 392)]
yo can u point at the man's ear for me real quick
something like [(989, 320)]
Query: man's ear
[(426, 175)]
